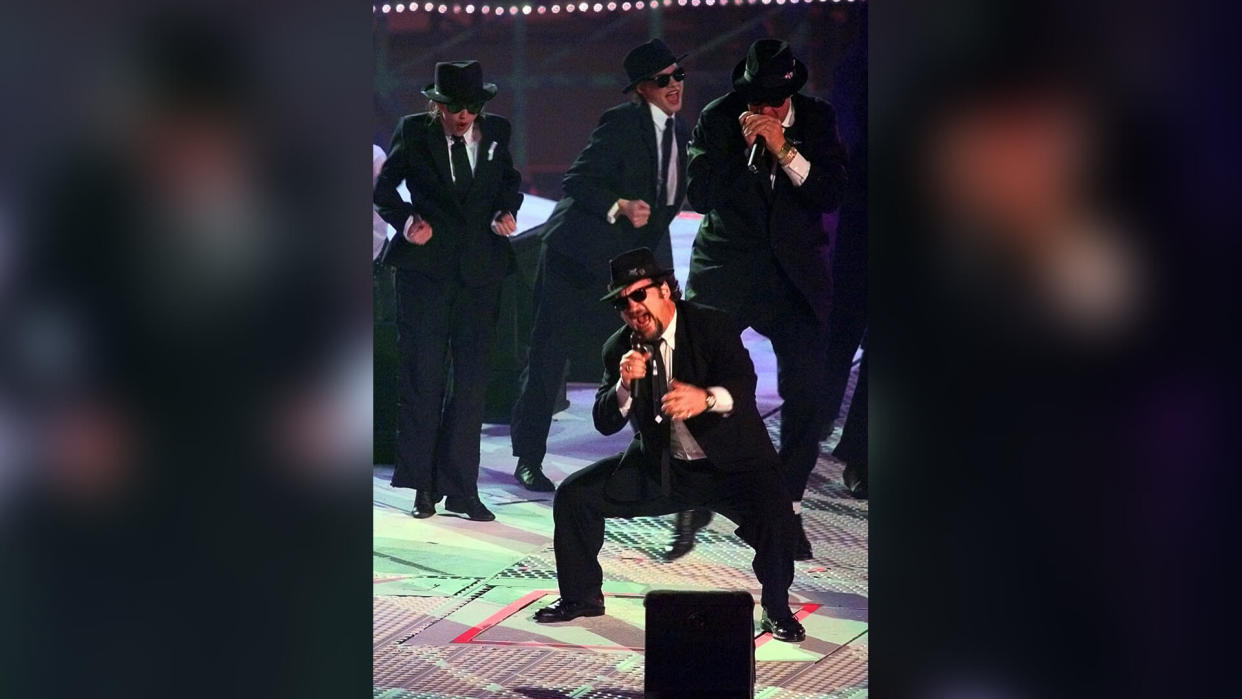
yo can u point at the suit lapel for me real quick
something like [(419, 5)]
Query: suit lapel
[(482, 165), (683, 137), (439, 152), (647, 129), (683, 364)]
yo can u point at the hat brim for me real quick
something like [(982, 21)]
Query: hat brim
[(614, 293), (757, 93), (648, 76), (489, 91)]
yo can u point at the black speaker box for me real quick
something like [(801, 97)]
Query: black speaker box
[(699, 644)]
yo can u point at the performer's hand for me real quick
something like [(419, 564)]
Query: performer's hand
[(762, 125), (504, 224), (633, 366), (419, 233), (636, 210), (684, 401)]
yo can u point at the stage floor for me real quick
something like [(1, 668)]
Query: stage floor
[(453, 598)]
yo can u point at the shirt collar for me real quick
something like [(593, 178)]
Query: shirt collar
[(670, 332), (658, 117), (789, 117), (468, 137)]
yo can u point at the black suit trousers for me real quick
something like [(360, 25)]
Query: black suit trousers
[(566, 302), (798, 339), (442, 326), (755, 500)]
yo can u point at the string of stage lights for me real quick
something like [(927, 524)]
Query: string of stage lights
[(579, 7)]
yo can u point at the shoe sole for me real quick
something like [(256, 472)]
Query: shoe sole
[(423, 515), (465, 515), (767, 629), (535, 488), (576, 616)]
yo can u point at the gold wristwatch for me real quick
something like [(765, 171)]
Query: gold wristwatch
[(786, 154), (710, 401)]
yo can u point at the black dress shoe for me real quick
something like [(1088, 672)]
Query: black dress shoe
[(424, 503), (855, 478), (564, 610), (785, 628), (530, 475), (689, 522), (472, 507), (802, 546)]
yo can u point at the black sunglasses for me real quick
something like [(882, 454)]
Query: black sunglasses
[(455, 107), (662, 80), (637, 296)]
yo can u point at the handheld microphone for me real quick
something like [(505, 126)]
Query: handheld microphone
[(756, 154), (637, 344)]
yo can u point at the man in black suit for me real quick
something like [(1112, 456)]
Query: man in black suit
[(678, 373), (450, 257), (622, 191), (761, 252)]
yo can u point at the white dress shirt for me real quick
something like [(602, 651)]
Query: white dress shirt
[(660, 119), (471, 137), (682, 443)]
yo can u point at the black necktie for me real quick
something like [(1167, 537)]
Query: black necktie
[(462, 175), (666, 152), (659, 386)]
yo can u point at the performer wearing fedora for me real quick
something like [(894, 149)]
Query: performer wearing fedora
[(622, 192), (678, 373), (761, 252), (450, 258)]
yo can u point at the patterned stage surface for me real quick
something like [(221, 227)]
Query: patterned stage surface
[(453, 598)]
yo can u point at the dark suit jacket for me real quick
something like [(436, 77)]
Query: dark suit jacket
[(462, 242), (619, 162), (708, 352), (746, 223)]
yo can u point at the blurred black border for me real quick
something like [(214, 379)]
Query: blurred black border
[(1051, 519)]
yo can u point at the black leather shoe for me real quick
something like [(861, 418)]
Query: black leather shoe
[(564, 610), (785, 628), (689, 522), (802, 546), (530, 475), (471, 507), (855, 478), (424, 503)]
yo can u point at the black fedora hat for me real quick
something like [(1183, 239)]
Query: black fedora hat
[(631, 266), (460, 81), (644, 61), (769, 73)]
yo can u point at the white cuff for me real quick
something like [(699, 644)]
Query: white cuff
[(612, 213), (624, 399), (724, 400), (798, 170)]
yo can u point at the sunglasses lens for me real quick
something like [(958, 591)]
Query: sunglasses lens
[(664, 79), (637, 296)]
